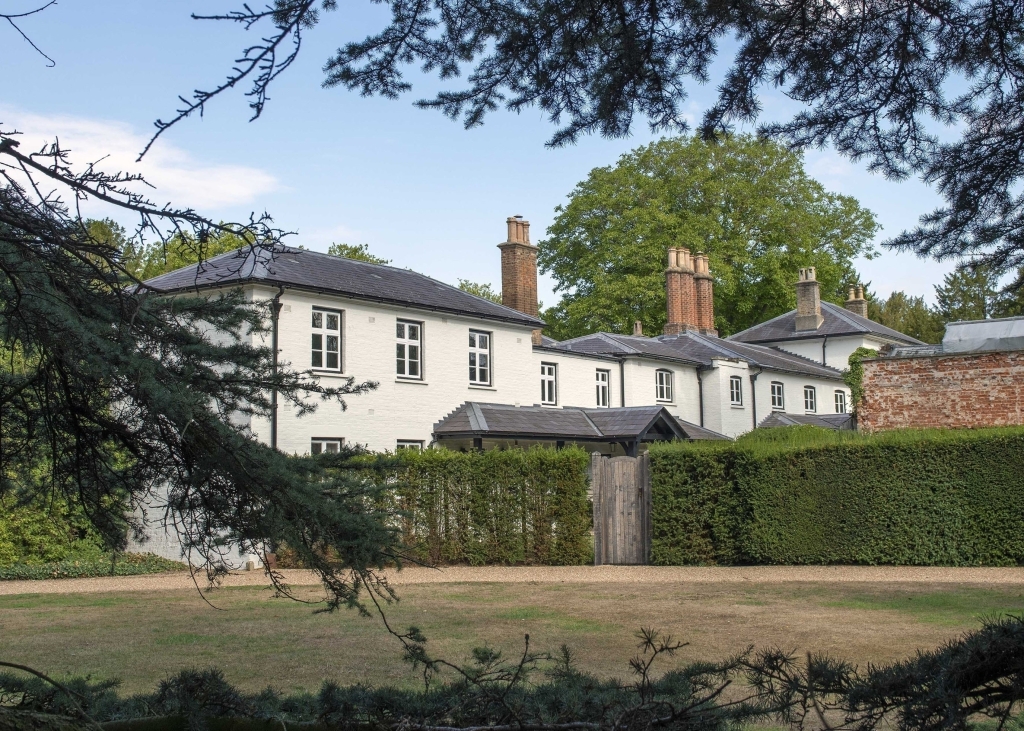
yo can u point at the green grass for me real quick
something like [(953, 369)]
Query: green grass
[(259, 640), (945, 608)]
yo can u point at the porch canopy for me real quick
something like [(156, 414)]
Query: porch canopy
[(617, 430)]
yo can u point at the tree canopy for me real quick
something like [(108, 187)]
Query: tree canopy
[(909, 315), (877, 80), (746, 203), (360, 252), (480, 290)]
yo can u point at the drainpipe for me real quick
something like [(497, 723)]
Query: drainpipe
[(753, 393), (622, 382), (824, 342), (275, 314), (700, 395)]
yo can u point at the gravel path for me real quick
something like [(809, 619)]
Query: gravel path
[(555, 574)]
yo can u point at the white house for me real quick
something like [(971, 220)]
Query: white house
[(432, 348), (465, 372)]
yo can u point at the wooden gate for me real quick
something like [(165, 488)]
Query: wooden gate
[(622, 509)]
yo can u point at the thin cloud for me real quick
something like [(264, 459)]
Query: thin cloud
[(177, 176)]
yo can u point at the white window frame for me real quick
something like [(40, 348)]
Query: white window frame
[(549, 384), (840, 401), (322, 445), (414, 444), (603, 381), (480, 360), (323, 332), (663, 385), (405, 362), (736, 390), (778, 396), (810, 399)]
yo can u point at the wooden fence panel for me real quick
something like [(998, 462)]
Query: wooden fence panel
[(622, 509)]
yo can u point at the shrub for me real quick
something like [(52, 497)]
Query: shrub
[(497, 507), (123, 564), (812, 496), (42, 532)]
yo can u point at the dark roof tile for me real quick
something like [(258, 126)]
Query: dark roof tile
[(835, 321)]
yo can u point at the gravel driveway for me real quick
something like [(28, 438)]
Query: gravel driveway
[(554, 575)]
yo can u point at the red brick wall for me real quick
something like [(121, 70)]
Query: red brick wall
[(519, 277), (983, 389)]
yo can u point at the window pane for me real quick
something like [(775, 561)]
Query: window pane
[(332, 447), (318, 319), (414, 368), (483, 373), (472, 340), (414, 332), (414, 352), (400, 351), (332, 321), (483, 340), (472, 359), (332, 361), (483, 360), (400, 330), (318, 342), (401, 364), (316, 448), (332, 343)]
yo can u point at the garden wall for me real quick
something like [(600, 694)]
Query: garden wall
[(809, 496)]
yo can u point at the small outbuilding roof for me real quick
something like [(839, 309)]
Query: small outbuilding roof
[(836, 320), (313, 271), (629, 424), (826, 421)]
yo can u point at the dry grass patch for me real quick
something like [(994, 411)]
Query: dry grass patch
[(260, 640)]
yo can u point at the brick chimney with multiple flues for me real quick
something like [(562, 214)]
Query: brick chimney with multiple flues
[(519, 270), (680, 293), (856, 302), (705, 296), (808, 301)]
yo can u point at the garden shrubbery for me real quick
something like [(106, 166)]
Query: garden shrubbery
[(803, 495), (496, 507)]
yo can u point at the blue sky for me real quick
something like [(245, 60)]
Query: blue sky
[(329, 164)]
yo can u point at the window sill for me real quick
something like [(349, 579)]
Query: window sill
[(417, 381), (548, 406), (736, 406), (481, 387), (663, 401), (328, 374)]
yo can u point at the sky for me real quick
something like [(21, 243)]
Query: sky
[(331, 165)]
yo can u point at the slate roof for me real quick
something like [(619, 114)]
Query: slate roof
[(473, 419), (827, 421), (835, 321), (316, 272), (695, 349)]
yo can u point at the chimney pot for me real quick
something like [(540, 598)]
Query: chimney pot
[(857, 304), (638, 328), (704, 300), (808, 301), (519, 270), (680, 296)]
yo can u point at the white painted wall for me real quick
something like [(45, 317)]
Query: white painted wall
[(837, 350)]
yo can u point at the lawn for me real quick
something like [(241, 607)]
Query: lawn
[(259, 640)]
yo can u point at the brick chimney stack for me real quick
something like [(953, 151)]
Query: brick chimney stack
[(519, 270), (808, 301), (704, 300), (680, 295), (856, 302)]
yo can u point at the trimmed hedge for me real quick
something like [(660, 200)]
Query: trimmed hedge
[(803, 495), (496, 507), (127, 564)]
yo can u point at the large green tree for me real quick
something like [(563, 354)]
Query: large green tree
[(747, 203), (909, 315)]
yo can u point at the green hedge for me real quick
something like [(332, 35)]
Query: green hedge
[(127, 564), (810, 496), (496, 507)]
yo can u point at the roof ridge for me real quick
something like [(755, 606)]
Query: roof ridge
[(842, 313), (614, 338), (759, 325), (590, 421), (476, 416)]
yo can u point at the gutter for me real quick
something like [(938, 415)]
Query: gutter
[(275, 317), (622, 382), (753, 393), (700, 395)]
